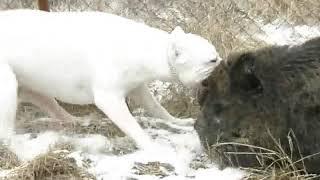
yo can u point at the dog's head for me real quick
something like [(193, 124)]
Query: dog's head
[(191, 56)]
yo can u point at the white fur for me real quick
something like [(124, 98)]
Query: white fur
[(8, 99), (92, 57)]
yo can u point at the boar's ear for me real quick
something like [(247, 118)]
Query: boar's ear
[(243, 77), (246, 60), (178, 31), (243, 64)]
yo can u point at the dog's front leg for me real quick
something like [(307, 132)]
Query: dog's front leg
[(143, 96), (115, 107)]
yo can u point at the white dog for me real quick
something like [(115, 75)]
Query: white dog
[(92, 57)]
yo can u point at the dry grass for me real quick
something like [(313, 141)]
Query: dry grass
[(274, 164), (63, 146), (28, 122), (8, 159), (53, 165), (154, 168), (182, 102), (103, 127), (96, 126)]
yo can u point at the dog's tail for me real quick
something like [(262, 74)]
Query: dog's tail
[(8, 101)]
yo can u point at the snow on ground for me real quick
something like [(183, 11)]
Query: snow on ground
[(280, 32), (175, 145)]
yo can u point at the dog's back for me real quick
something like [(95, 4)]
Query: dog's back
[(60, 49)]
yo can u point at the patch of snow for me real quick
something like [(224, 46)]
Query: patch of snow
[(93, 144), (215, 173), (4, 173), (280, 32), (175, 149), (112, 167), (26, 147)]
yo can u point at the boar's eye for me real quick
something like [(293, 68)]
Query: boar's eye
[(202, 92), (251, 84)]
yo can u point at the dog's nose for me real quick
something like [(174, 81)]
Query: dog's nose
[(217, 59), (214, 60)]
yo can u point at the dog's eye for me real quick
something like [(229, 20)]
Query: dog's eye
[(177, 54), (247, 83)]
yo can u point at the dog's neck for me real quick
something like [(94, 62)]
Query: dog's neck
[(173, 75), (162, 65)]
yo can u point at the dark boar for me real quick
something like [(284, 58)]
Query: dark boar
[(269, 92)]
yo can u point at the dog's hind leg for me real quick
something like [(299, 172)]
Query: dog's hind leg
[(143, 96), (8, 101), (45, 103)]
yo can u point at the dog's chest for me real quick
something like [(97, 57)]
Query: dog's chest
[(135, 76)]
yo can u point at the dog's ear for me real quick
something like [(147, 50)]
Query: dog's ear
[(177, 35), (176, 38), (177, 31)]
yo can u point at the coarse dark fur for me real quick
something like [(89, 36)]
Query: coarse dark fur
[(275, 88)]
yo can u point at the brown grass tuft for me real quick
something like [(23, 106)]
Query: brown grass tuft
[(95, 123), (8, 159), (274, 164), (53, 165)]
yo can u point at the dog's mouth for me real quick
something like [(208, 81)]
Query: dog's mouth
[(195, 76), (204, 73)]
